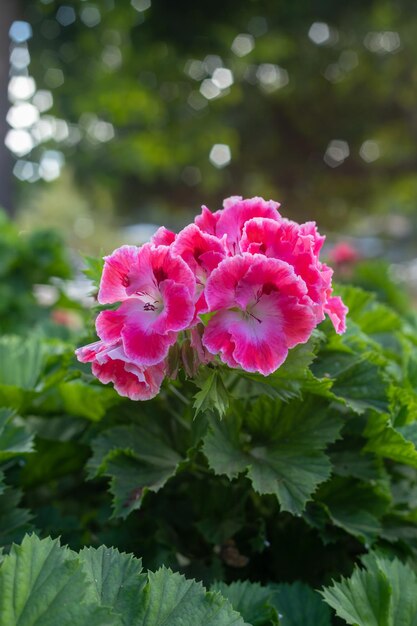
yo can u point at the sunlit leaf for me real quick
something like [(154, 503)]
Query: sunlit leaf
[(42, 583), (386, 441), (116, 581), (170, 598), (382, 594)]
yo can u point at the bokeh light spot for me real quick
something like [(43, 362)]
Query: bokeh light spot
[(195, 69), (65, 15), (321, 34), (209, 89), (112, 57), (141, 5), (196, 101), (212, 62), (272, 77), (220, 155), (19, 142), (370, 151), (43, 100), (54, 77), (21, 88), (50, 165), (222, 78), (26, 171), (22, 115), (20, 31), (90, 15), (336, 153), (382, 42), (243, 44), (20, 57)]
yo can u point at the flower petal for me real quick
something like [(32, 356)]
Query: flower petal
[(178, 308), (116, 275), (163, 237), (237, 212), (337, 312)]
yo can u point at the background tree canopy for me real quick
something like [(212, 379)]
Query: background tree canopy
[(159, 107)]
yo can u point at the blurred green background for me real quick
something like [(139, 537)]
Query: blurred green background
[(125, 114)]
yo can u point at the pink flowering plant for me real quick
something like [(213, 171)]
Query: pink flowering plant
[(230, 424), (239, 287)]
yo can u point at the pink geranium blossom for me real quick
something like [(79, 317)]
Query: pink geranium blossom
[(110, 364), (299, 245), (163, 237), (230, 221), (159, 303), (202, 252), (344, 253), (261, 310), (252, 276)]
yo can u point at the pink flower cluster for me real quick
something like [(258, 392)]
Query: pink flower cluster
[(256, 276)]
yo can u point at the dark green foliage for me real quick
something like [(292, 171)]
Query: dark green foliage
[(27, 259)]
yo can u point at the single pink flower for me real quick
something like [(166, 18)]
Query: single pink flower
[(261, 310), (159, 304), (299, 245), (344, 253), (202, 253), (231, 220), (110, 364)]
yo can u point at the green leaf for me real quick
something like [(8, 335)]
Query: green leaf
[(21, 364), (251, 600), (358, 381), (136, 459), (85, 400), (280, 447), (290, 380), (93, 269), (355, 506), (299, 605), (382, 594), (375, 276), (212, 395), (371, 316), (14, 440), (353, 462), (42, 583), (116, 580), (388, 442), (21, 361), (171, 599), (14, 521)]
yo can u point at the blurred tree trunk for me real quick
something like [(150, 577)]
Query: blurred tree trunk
[(8, 13)]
